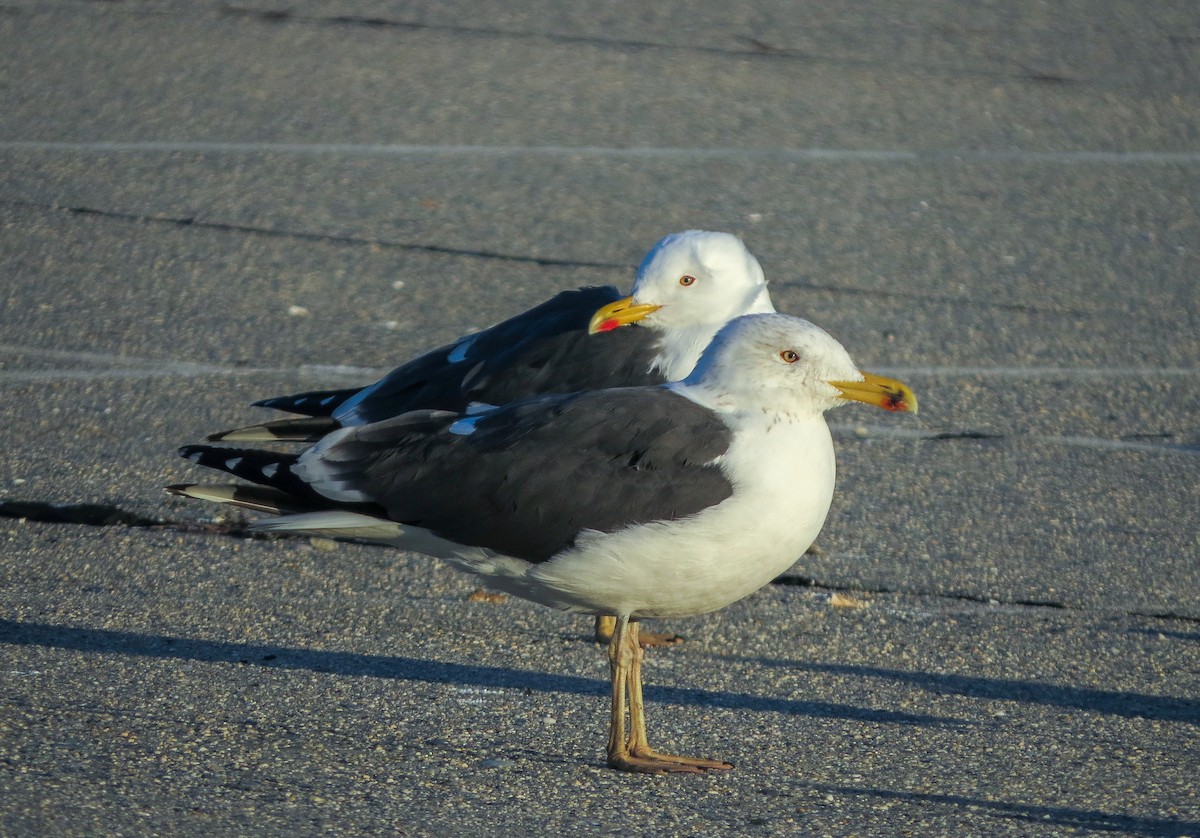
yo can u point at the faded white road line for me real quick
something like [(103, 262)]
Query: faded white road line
[(1086, 157), (160, 366), (127, 367)]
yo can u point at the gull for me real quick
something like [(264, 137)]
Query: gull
[(688, 286), (658, 501)]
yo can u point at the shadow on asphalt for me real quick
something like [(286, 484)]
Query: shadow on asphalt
[(106, 641), (1088, 819), (1109, 702)]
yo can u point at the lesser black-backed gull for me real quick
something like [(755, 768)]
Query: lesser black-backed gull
[(660, 501), (688, 286)]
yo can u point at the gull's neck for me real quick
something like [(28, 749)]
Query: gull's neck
[(761, 304), (680, 349)]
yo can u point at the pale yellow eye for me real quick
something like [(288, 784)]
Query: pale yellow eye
[(789, 356), (686, 280)]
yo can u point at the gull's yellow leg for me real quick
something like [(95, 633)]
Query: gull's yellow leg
[(634, 753)]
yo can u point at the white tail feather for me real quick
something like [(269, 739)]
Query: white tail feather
[(335, 524), (354, 526)]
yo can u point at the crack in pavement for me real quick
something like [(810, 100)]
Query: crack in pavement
[(945, 299), (329, 238), (800, 581), (1004, 68), (755, 48), (540, 261)]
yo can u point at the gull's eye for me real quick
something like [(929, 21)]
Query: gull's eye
[(789, 356), (686, 280)]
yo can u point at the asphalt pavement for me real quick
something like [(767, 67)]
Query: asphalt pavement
[(206, 203)]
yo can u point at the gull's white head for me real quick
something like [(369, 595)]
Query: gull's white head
[(689, 285), (690, 279), (785, 366)]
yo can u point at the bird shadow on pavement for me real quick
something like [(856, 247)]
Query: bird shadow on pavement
[(1042, 815), (1107, 702), (1187, 636), (109, 641)]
